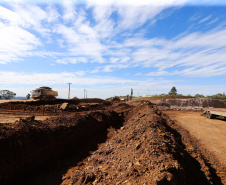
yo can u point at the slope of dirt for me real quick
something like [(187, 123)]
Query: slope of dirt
[(100, 142), (28, 143), (146, 150), (14, 111), (51, 106)]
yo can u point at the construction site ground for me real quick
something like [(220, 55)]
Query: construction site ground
[(93, 141), (210, 133)]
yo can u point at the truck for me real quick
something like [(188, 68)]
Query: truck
[(211, 114), (43, 93)]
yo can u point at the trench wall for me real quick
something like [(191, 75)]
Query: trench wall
[(28, 143)]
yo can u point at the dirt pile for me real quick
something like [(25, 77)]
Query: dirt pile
[(28, 143), (193, 102), (112, 142), (146, 150), (53, 106)]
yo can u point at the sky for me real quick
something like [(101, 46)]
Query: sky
[(109, 47)]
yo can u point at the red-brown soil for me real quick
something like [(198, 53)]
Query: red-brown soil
[(99, 142), (146, 150)]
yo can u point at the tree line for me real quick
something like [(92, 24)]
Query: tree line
[(6, 94)]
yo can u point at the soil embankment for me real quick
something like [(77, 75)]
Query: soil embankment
[(146, 150), (109, 143), (28, 143)]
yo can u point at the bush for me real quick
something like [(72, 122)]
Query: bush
[(6, 94)]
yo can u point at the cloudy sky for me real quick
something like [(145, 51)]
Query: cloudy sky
[(109, 47)]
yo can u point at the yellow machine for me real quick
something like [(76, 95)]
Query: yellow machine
[(43, 94)]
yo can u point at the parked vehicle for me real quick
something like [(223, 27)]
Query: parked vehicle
[(211, 114)]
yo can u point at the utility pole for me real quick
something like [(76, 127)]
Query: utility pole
[(85, 94), (69, 90)]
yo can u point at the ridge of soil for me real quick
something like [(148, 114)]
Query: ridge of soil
[(146, 150), (99, 142), (28, 143)]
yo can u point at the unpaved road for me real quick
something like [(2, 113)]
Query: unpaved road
[(15, 100), (12, 116), (211, 133)]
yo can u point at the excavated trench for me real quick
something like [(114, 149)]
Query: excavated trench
[(119, 145), (29, 144), (146, 150)]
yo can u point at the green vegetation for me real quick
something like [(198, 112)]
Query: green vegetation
[(199, 96), (28, 96), (218, 96), (173, 91), (6, 94)]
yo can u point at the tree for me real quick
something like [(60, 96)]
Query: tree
[(28, 96), (199, 96), (173, 91), (6, 94)]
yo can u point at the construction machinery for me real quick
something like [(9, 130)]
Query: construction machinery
[(43, 94), (211, 114)]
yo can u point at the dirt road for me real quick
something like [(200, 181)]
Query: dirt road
[(211, 133), (16, 100)]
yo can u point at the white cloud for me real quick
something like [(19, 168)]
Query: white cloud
[(82, 41), (130, 2), (85, 41), (10, 18), (15, 42), (112, 67), (132, 17), (71, 60), (205, 19), (80, 73), (32, 17), (57, 78), (213, 21), (96, 70), (69, 11), (197, 51), (135, 2), (105, 25), (53, 15)]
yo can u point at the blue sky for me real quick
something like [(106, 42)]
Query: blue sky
[(108, 48)]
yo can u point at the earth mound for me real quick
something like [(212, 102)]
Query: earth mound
[(146, 150)]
